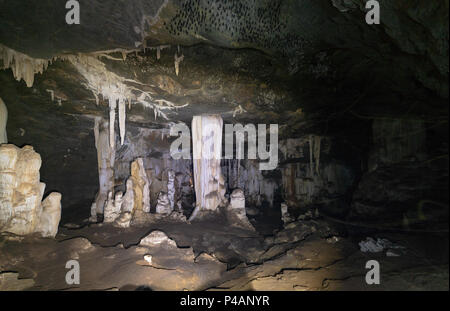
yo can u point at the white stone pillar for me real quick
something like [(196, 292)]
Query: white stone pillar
[(207, 152)]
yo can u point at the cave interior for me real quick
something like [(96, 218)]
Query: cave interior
[(339, 153)]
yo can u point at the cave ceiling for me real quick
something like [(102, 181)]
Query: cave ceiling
[(300, 64)]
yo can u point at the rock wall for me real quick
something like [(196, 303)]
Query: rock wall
[(404, 180), (313, 174), (3, 121), (21, 192), (258, 186)]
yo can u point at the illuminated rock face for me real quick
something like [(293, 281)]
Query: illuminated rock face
[(207, 151), (21, 194)]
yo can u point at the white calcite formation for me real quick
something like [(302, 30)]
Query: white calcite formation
[(93, 217), (207, 152), (50, 215), (23, 66), (3, 121), (177, 61), (124, 220), (21, 192), (285, 216), (113, 207), (105, 158), (107, 84), (237, 215), (171, 188), (128, 198), (163, 206)]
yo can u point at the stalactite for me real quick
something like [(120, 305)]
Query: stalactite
[(23, 66), (112, 119), (122, 117), (178, 60)]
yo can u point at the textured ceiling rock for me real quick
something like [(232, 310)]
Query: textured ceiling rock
[(412, 34)]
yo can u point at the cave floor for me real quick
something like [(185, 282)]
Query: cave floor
[(306, 255)]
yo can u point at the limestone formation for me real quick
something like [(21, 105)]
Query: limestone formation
[(105, 158), (50, 215), (285, 216), (3, 121), (141, 186), (128, 198), (113, 207), (23, 66), (124, 220), (21, 194), (93, 217), (207, 152), (171, 188), (163, 206), (237, 215), (118, 201)]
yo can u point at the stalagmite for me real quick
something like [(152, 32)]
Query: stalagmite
[(163, 206), (93, 217), (128, 198), (171, 188), (285, 216), (113, 207), (3, 121), (105, 158), (208, 178), (141, 187), (124, 220), (21, 194), (50, 215), (237, 215)]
